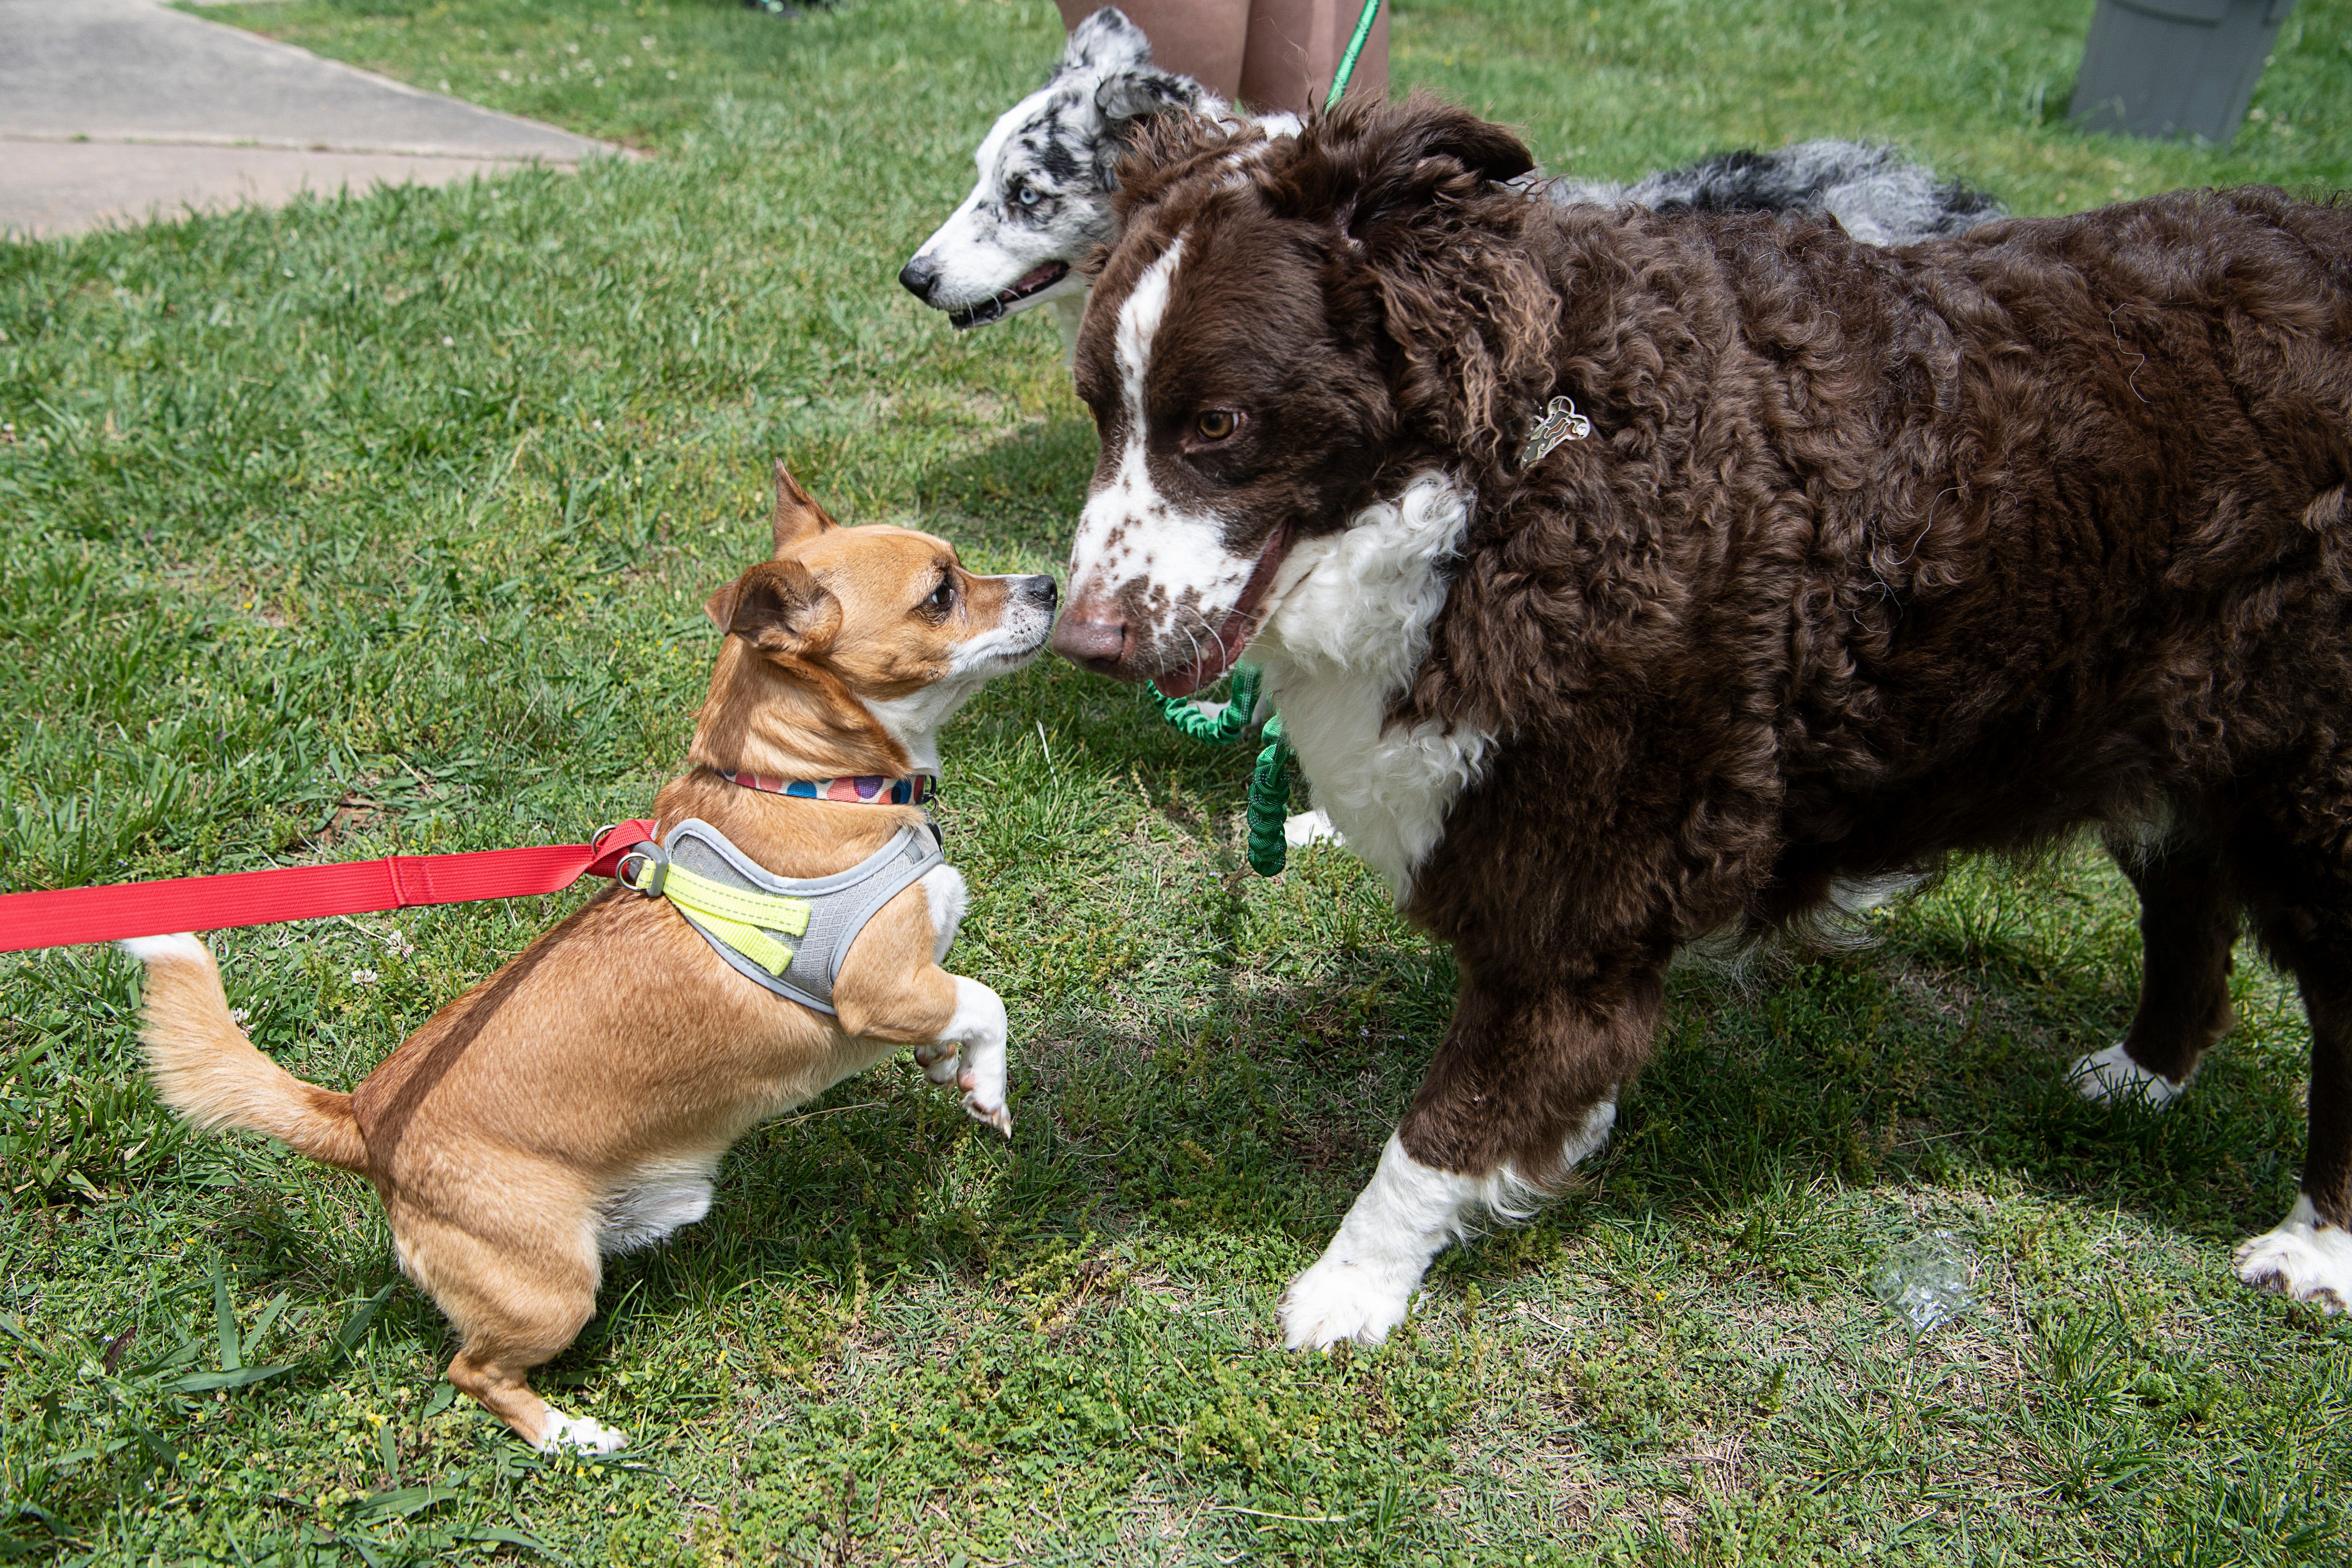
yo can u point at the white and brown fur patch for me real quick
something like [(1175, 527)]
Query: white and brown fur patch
[(1767, 635)]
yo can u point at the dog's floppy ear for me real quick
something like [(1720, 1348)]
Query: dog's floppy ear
[(798, 517), (778, 607), (1105, 40), (1142, 92), (1399, 156), (1130, 98)]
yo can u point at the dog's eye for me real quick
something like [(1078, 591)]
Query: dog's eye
[(1027, 195), (1216, 424), (942, 599)]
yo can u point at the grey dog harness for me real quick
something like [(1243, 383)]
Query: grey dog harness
[(838, 905)]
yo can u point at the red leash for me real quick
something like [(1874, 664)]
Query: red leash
[(73, 915)]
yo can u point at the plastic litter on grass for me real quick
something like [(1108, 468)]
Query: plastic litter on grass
[(1925, 1282)]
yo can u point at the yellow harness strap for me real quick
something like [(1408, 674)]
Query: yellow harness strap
[(728, 914)]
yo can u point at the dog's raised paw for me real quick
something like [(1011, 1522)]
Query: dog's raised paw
[(941, 1064), (583, 1435), (1337, 1301), (998, 1116), (2304, 1258), (2106, 1077)]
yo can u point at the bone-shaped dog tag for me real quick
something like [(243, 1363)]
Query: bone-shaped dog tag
[(1561, 421)]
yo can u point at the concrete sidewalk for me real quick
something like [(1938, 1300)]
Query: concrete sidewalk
[(121, 110)]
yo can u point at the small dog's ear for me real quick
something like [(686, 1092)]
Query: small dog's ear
[(778, 607), (1105, 40), (721, 606), (1142, 92), (798, 517)]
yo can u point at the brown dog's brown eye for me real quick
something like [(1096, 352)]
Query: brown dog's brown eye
[(1216, 424), (942, 599)]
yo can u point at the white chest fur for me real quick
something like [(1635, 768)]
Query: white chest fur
[(1350, 625)]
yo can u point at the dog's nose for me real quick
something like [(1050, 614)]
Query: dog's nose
[(1041, 591), (919, 277), (1094, 644)]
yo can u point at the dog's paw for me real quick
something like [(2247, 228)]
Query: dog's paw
[(2107, 1076), (2304, 1259), (998, 1115), (1309, 828), (941, 1062), (984, 1097), (582, 1434), (1337, 1300)]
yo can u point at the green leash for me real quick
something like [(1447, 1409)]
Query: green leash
[(1355, 48), (1269, 802), (1222, 728), (1269, 791)]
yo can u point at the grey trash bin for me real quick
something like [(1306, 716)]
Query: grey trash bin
[(2174, 67)]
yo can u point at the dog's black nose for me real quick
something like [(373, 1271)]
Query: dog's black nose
[(1040, 591), (918, 277)]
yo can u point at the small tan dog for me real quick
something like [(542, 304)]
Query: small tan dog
[(577, 1102)]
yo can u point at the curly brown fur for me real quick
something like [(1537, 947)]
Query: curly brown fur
[(1872, 557)]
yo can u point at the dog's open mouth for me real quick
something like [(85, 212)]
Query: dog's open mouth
[(1240, 625), (1036, 281)]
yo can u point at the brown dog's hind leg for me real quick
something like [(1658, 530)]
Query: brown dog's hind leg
[(2304, 915), (2189, 919), (1524, 1087), (517, 1303)]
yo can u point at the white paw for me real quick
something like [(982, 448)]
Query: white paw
[(1309, 828), (992, 1111), (1359, 1287), (979, 1023), (2107, 1076), (939, 1062), (583, 1435), (1338, 1300), (2304, 1259)]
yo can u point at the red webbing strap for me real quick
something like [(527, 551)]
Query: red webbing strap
[(75, 915)]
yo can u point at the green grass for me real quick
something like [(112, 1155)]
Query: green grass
[(381, 524)]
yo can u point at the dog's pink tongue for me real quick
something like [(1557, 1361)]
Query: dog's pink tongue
[(1033, 278)]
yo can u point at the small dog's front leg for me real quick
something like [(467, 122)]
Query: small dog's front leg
[(977, 1029)]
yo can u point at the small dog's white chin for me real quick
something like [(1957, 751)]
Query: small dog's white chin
[(583, 1435), (988, 664), (1343, 1299), (2110, 1076), (2304, 1258)]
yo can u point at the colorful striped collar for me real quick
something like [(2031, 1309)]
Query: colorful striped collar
[(871, 790)]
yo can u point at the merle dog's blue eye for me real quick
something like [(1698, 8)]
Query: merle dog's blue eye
[(1028, 195)]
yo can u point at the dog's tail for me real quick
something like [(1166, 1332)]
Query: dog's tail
[(207, 1071)]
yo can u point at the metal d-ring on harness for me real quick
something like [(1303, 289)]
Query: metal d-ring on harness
[(787, 934)]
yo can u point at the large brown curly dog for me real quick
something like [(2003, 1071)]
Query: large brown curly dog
[(1866, 557)]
